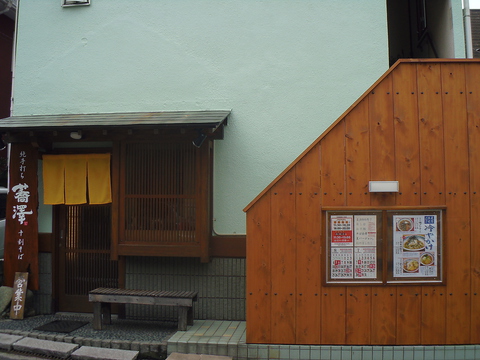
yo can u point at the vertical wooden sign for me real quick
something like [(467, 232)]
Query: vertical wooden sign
[(21, 228), (20, 283)]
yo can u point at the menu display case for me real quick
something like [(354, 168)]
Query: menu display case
[(385, 246)]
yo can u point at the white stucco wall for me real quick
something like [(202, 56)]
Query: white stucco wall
[(458, 32), (286, 68)]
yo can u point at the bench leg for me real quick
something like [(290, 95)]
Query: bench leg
[(97, 316), (182, 318), (102, 314), (106, 313), (190, 316)]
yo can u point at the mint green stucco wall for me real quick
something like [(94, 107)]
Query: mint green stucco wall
[(286, 68)]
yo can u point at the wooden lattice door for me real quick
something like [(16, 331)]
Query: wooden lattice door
[(83, 254)]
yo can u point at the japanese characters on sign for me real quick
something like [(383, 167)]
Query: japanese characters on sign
[(21, 226), (19, 295), (353, 247), (415, 247), (342, 230), (21, 208), (20, 212)]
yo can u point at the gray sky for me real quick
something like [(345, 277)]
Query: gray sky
[(474, 4)]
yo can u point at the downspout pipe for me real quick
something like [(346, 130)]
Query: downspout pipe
[(468, 29)]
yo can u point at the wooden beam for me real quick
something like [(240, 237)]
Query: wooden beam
[(228, 246)]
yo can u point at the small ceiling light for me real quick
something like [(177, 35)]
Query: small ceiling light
[(383, 186), (198, 141), (75, 2), (76, 135)]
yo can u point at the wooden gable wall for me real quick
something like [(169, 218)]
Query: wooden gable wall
[(420, 125)]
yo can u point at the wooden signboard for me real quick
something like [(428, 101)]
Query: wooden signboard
[(19, 295), (21, 228)]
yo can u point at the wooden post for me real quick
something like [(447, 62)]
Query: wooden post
[(21, 226)]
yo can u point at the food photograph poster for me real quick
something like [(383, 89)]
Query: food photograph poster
[(353, 247), (415, 246)]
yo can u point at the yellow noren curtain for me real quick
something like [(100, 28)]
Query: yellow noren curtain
[(99, 190), (65, 179)]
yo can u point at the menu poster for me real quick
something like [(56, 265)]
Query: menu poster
[(342, 230), (341, 263), (353, 247), (365, 230), (415, 246)]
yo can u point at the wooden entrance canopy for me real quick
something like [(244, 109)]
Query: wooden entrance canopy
[(109, 126), (419, 124)]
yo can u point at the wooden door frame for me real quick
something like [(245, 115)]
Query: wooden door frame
[(60, 217)]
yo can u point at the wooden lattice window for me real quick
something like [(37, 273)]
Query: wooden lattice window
[(164, 199)]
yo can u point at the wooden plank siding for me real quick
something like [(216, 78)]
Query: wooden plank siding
[(473, 113), (283, 260), (308, 248), (432, 184), (407, 170), (457, 186), (258, 271), (358, 323), (333, 306), (382, 167), (418, 124)]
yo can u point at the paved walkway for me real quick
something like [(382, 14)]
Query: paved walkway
[(227, 338)]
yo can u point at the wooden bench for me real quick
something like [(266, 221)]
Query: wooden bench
[(102, 299)]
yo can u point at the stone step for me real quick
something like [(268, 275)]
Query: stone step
[(180, 356), (6, 341), (60, 349), (93, 353), (45, 347)]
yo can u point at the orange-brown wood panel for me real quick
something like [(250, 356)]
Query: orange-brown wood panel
[(432, 182), (408, 315), (419, 125), (357, 147), (382, 150), (283, 257), (308, 222), (384, 303), (457, 241), (333, 315), (380, 116), (433, 315), (407, 164), (333, 193), (473, 113), (407, 170), (431, 129), (359, 314), (333, 167), (259, 272)]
